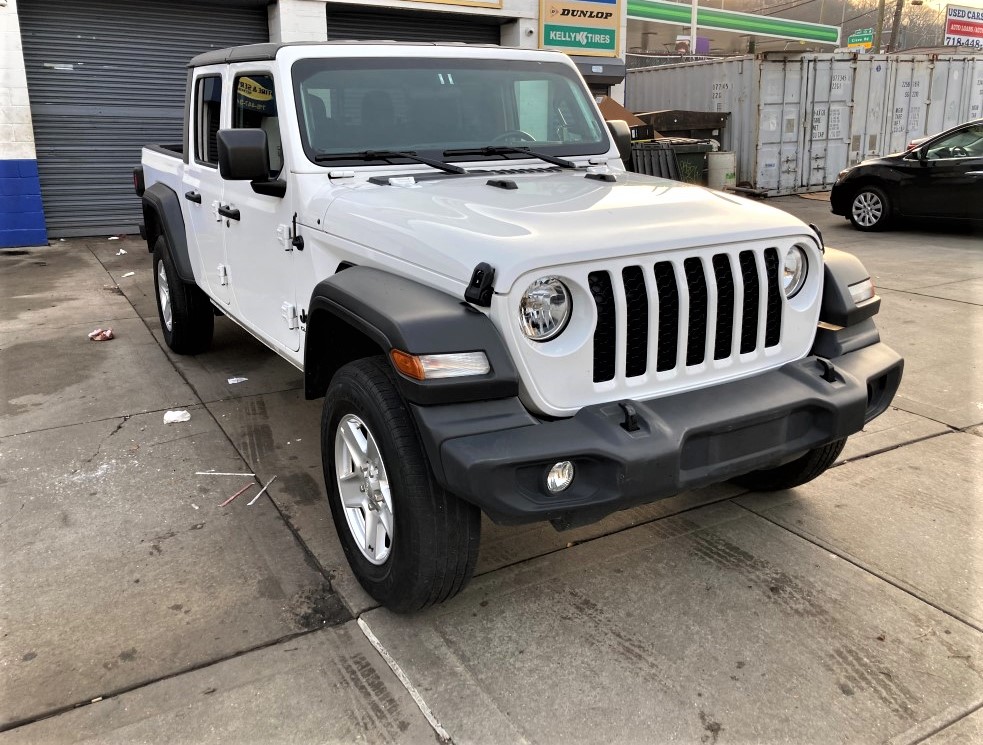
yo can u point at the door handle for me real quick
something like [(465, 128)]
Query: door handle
[(227, 210), (193, 196)]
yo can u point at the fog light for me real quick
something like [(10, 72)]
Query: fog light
[(560, 476)]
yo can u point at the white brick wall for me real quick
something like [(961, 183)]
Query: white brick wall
[(16, 131)]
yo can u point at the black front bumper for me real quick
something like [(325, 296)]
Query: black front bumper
[(496, 455)]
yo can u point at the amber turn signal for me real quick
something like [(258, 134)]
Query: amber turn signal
[(408, 364)]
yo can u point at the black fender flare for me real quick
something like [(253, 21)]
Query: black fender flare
[(395, 312), (841, 270), (162, 208), (845, 325)]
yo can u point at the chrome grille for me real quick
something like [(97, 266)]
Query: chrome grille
[(698, 308)]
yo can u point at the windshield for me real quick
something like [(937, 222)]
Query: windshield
[(427, 106)]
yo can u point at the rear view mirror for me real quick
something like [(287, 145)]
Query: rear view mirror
[(243, 155), (622, 139)]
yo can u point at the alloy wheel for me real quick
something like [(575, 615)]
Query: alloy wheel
[(164, 294), (363, 486), (867, 209)]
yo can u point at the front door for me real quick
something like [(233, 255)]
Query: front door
[(203, 187), (257, 242)]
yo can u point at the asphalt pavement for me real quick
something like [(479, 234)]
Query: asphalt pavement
[(136, 606)]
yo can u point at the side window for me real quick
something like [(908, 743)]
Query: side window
[(967, 143), (255, 108), (208, 108)]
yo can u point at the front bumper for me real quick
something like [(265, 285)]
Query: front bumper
[(496, 456)]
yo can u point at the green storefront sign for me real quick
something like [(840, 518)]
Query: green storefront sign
[(724, 20), (580, 37)]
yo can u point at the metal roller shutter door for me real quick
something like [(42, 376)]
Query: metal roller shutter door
[(105, 78), (416, 25)]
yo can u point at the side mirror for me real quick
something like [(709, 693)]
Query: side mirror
[(622, 139), (243, 155)]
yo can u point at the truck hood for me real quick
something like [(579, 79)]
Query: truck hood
[(448, 225)]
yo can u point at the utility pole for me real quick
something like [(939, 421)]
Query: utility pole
[(692, 26), (896, 27), (879, 28)]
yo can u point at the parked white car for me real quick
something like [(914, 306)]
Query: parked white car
[(498, 316)]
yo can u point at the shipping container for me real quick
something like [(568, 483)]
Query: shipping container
[(798, 119)]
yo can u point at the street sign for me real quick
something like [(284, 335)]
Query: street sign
[(861, 38)]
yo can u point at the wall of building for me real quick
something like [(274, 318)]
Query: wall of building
[(21, 213), (304, 20)]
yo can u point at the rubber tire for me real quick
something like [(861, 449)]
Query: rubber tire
[(794, 473), (192, 317), (435, 534), (885, 220)]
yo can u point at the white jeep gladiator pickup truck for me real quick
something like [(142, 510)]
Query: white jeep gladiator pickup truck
[(499, 317)]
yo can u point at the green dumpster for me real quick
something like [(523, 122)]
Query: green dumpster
[(692, 157)]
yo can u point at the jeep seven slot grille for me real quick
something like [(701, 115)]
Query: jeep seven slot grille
[(712, 307)]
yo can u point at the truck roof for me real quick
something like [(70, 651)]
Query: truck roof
[(268, 51)]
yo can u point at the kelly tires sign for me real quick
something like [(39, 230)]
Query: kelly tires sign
[(581, 26), (964, 26)]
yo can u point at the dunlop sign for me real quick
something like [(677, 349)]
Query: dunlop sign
[(588, 27)]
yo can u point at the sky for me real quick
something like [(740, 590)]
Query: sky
[(963, 3)]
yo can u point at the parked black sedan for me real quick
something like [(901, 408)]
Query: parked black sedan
[(940, 178)]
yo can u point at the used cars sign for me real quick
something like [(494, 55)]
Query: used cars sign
[(964, 26)]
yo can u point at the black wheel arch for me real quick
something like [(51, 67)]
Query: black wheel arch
[(162, 216), (361, 311)]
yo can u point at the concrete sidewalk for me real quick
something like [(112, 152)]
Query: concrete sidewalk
[(133, 608)]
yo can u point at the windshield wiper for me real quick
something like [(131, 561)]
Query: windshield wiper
[(388, 155), (511, 149)]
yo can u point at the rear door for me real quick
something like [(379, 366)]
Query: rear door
[(203, 187), (257, 241)]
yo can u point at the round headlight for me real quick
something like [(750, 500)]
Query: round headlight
[(794, 272), (544, 309)]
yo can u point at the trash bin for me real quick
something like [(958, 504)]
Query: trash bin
[(655, 158), (692, 157)]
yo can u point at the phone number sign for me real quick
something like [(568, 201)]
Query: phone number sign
[(964, 26)]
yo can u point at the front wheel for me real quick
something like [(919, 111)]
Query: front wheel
[(794, 473), (409, 542), (870, 209)]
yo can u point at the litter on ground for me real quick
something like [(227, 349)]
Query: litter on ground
[(173, 417), (243, 489), (233, 381), (253, 500), (221, 473), (101, 335), (113, 238), (129, 274), (121, 252)]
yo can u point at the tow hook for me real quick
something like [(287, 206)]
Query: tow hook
[(828, 371)]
